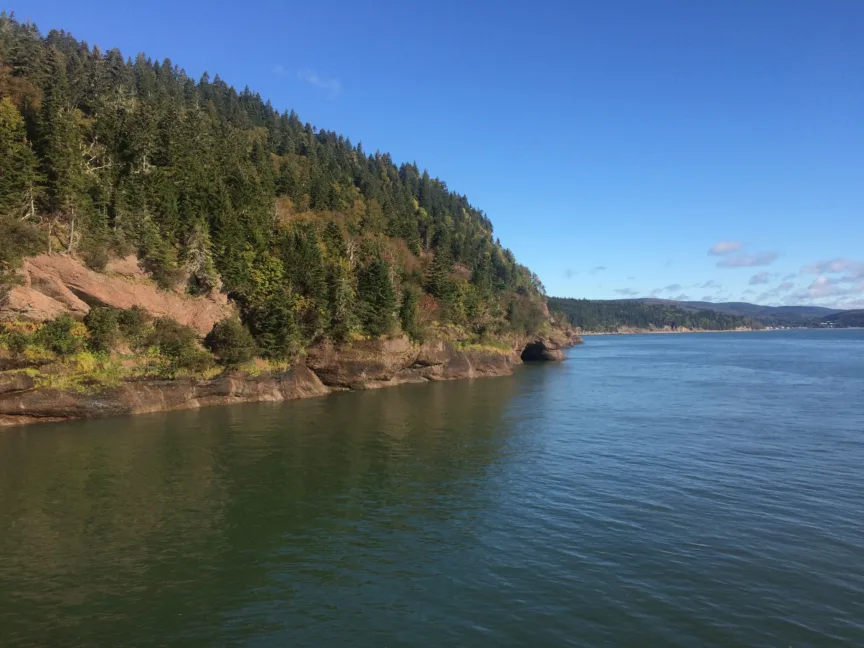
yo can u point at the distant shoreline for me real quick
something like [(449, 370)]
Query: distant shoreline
[(670, 332), (738, 330)]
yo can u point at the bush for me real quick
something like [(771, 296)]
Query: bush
[(133, 324), (16, 341), (231, 343), (102, 327), (58, 336), (95, 257), (179, 345)]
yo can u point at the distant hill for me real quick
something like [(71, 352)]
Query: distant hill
[(767, 315), (654, 313), (845, 319), (612, 315)]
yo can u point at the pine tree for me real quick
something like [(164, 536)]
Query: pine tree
[(408, 313), (18, 165), (60, 141), (377, 298), (342, 300)]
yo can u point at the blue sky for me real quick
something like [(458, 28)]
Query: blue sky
[(613, 144)]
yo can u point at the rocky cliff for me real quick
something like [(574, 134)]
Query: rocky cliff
[(55, 284), (362, 365)]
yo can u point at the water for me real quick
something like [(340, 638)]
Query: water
[(686, 490)]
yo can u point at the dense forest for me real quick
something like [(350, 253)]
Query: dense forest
[(215, 189), (606, 316), (845, 319)]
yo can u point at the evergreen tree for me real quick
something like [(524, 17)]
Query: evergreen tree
[(377, 298), (18, 165)]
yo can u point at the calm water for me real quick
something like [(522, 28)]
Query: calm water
[(690, 490)]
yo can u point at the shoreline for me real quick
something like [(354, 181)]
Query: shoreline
[(668, 332), (373, 364)]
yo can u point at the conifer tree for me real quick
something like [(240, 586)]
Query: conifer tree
[(18, 165), (377, 298)]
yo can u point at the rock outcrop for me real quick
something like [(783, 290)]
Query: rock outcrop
[(548, 348), (27, 405), (368, 364), (55, 284)]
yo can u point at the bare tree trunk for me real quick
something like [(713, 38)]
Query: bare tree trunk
[(50, 227), (71, 235)]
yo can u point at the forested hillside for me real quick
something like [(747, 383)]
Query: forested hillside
[(215, 189), (610, 315)]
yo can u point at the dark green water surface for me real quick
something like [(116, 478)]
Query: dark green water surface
[(688, 490)]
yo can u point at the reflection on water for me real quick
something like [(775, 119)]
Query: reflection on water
[(692, 490), (169, 521)]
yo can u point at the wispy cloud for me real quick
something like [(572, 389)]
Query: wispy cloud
[(569, 274), (830, 267), (776, 294), (745, 260), (332, 86), (597, 269), (823, 287), (725, 247), (671, 288), (682, 297), (629, 292), (631, 278), (790, 277), (711, 284), (761, 278), (278, 70)]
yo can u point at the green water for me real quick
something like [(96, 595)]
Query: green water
[(652, 491)]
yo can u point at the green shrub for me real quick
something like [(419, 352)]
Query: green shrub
[(102, 328), (133, 324), (16, 341), (95, 257), (58, 336), (231, 343), (179, 345)]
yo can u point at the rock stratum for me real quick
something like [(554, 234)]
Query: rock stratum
[(55, 284), (326, 368)]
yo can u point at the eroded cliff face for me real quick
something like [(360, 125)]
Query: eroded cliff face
[(55, 284), (368, 364)]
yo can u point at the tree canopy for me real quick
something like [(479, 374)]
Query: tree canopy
[(215, 189)]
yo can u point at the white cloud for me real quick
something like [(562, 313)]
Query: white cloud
[(278, 70), (745, 260), (823, 287), (725, 247), (333, 86), (761, 278), (832, 267)]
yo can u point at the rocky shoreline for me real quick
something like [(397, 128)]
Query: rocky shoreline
[(326, 368)]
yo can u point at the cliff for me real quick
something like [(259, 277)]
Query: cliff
[(326, 367)]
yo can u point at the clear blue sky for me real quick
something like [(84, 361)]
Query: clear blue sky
[(626, 135)]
